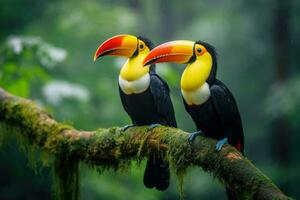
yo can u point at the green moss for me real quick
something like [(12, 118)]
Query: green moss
[(66, 177), (65, 169), (4, 136), (32, 133), (107, 142), (178, 153), (180, 176), (31, 124), (32, 153), (45, 159), (142, 144)]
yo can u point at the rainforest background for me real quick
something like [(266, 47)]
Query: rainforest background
[(46, 54)]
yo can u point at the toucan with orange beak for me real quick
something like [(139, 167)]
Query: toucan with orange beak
[(208, 101), (144, 95)]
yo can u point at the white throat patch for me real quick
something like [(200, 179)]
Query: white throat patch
[(136, 86), (198, 96)]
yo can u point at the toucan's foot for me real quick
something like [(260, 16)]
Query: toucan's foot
[(193, 135), (220, 143), (124, 128), (152, 126)]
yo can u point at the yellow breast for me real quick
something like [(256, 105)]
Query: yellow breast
[(133, 69), (196, 73)]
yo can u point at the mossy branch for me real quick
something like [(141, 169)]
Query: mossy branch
[(111, 147)]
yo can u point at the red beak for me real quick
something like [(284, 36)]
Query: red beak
[(179, 51), (120, 45)]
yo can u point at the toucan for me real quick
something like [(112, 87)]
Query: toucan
[(208, 101), (144, 95)]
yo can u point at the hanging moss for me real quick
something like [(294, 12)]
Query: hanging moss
[(178, 153), (28, 119), (180, 176), (4, 137), (65, 168), (66, 177), (36, 157), (33, 133)]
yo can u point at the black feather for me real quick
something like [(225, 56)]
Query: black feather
[(148, 42), (157, 172)]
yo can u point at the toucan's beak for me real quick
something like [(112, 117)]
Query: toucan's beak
[(178, 51), (120, 45)]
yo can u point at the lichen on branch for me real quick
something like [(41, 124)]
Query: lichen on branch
[(111, 148)]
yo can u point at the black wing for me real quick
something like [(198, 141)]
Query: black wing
[(228, 113), (122, 97), (161, 96), (193, 113)]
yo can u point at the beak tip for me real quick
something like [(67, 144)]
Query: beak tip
[(147, 60), (95, 57), (146, 63)]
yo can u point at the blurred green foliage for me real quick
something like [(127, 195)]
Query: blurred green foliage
[(46, 51)]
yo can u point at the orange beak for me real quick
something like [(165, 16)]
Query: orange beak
[(120, 45), (178, 51)]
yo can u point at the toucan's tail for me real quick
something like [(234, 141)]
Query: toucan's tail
[(157, 172), (231, 195)]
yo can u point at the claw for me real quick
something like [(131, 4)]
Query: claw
[(152, 126), (193, 135), (124, 128), (220, 143)]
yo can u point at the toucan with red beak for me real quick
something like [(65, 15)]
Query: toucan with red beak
[(208, 101), (144, 95)]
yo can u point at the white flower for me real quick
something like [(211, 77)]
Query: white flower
[(57, 54), (56, 91), (15, 43), (48, 55)]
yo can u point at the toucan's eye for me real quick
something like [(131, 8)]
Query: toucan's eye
[(141, 46), (199, 50)]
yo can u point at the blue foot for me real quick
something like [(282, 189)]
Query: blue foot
[(152, 126), (220, 143), (193, 136), (124, 128)]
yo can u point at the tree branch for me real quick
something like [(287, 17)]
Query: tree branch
[(112, 147)]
